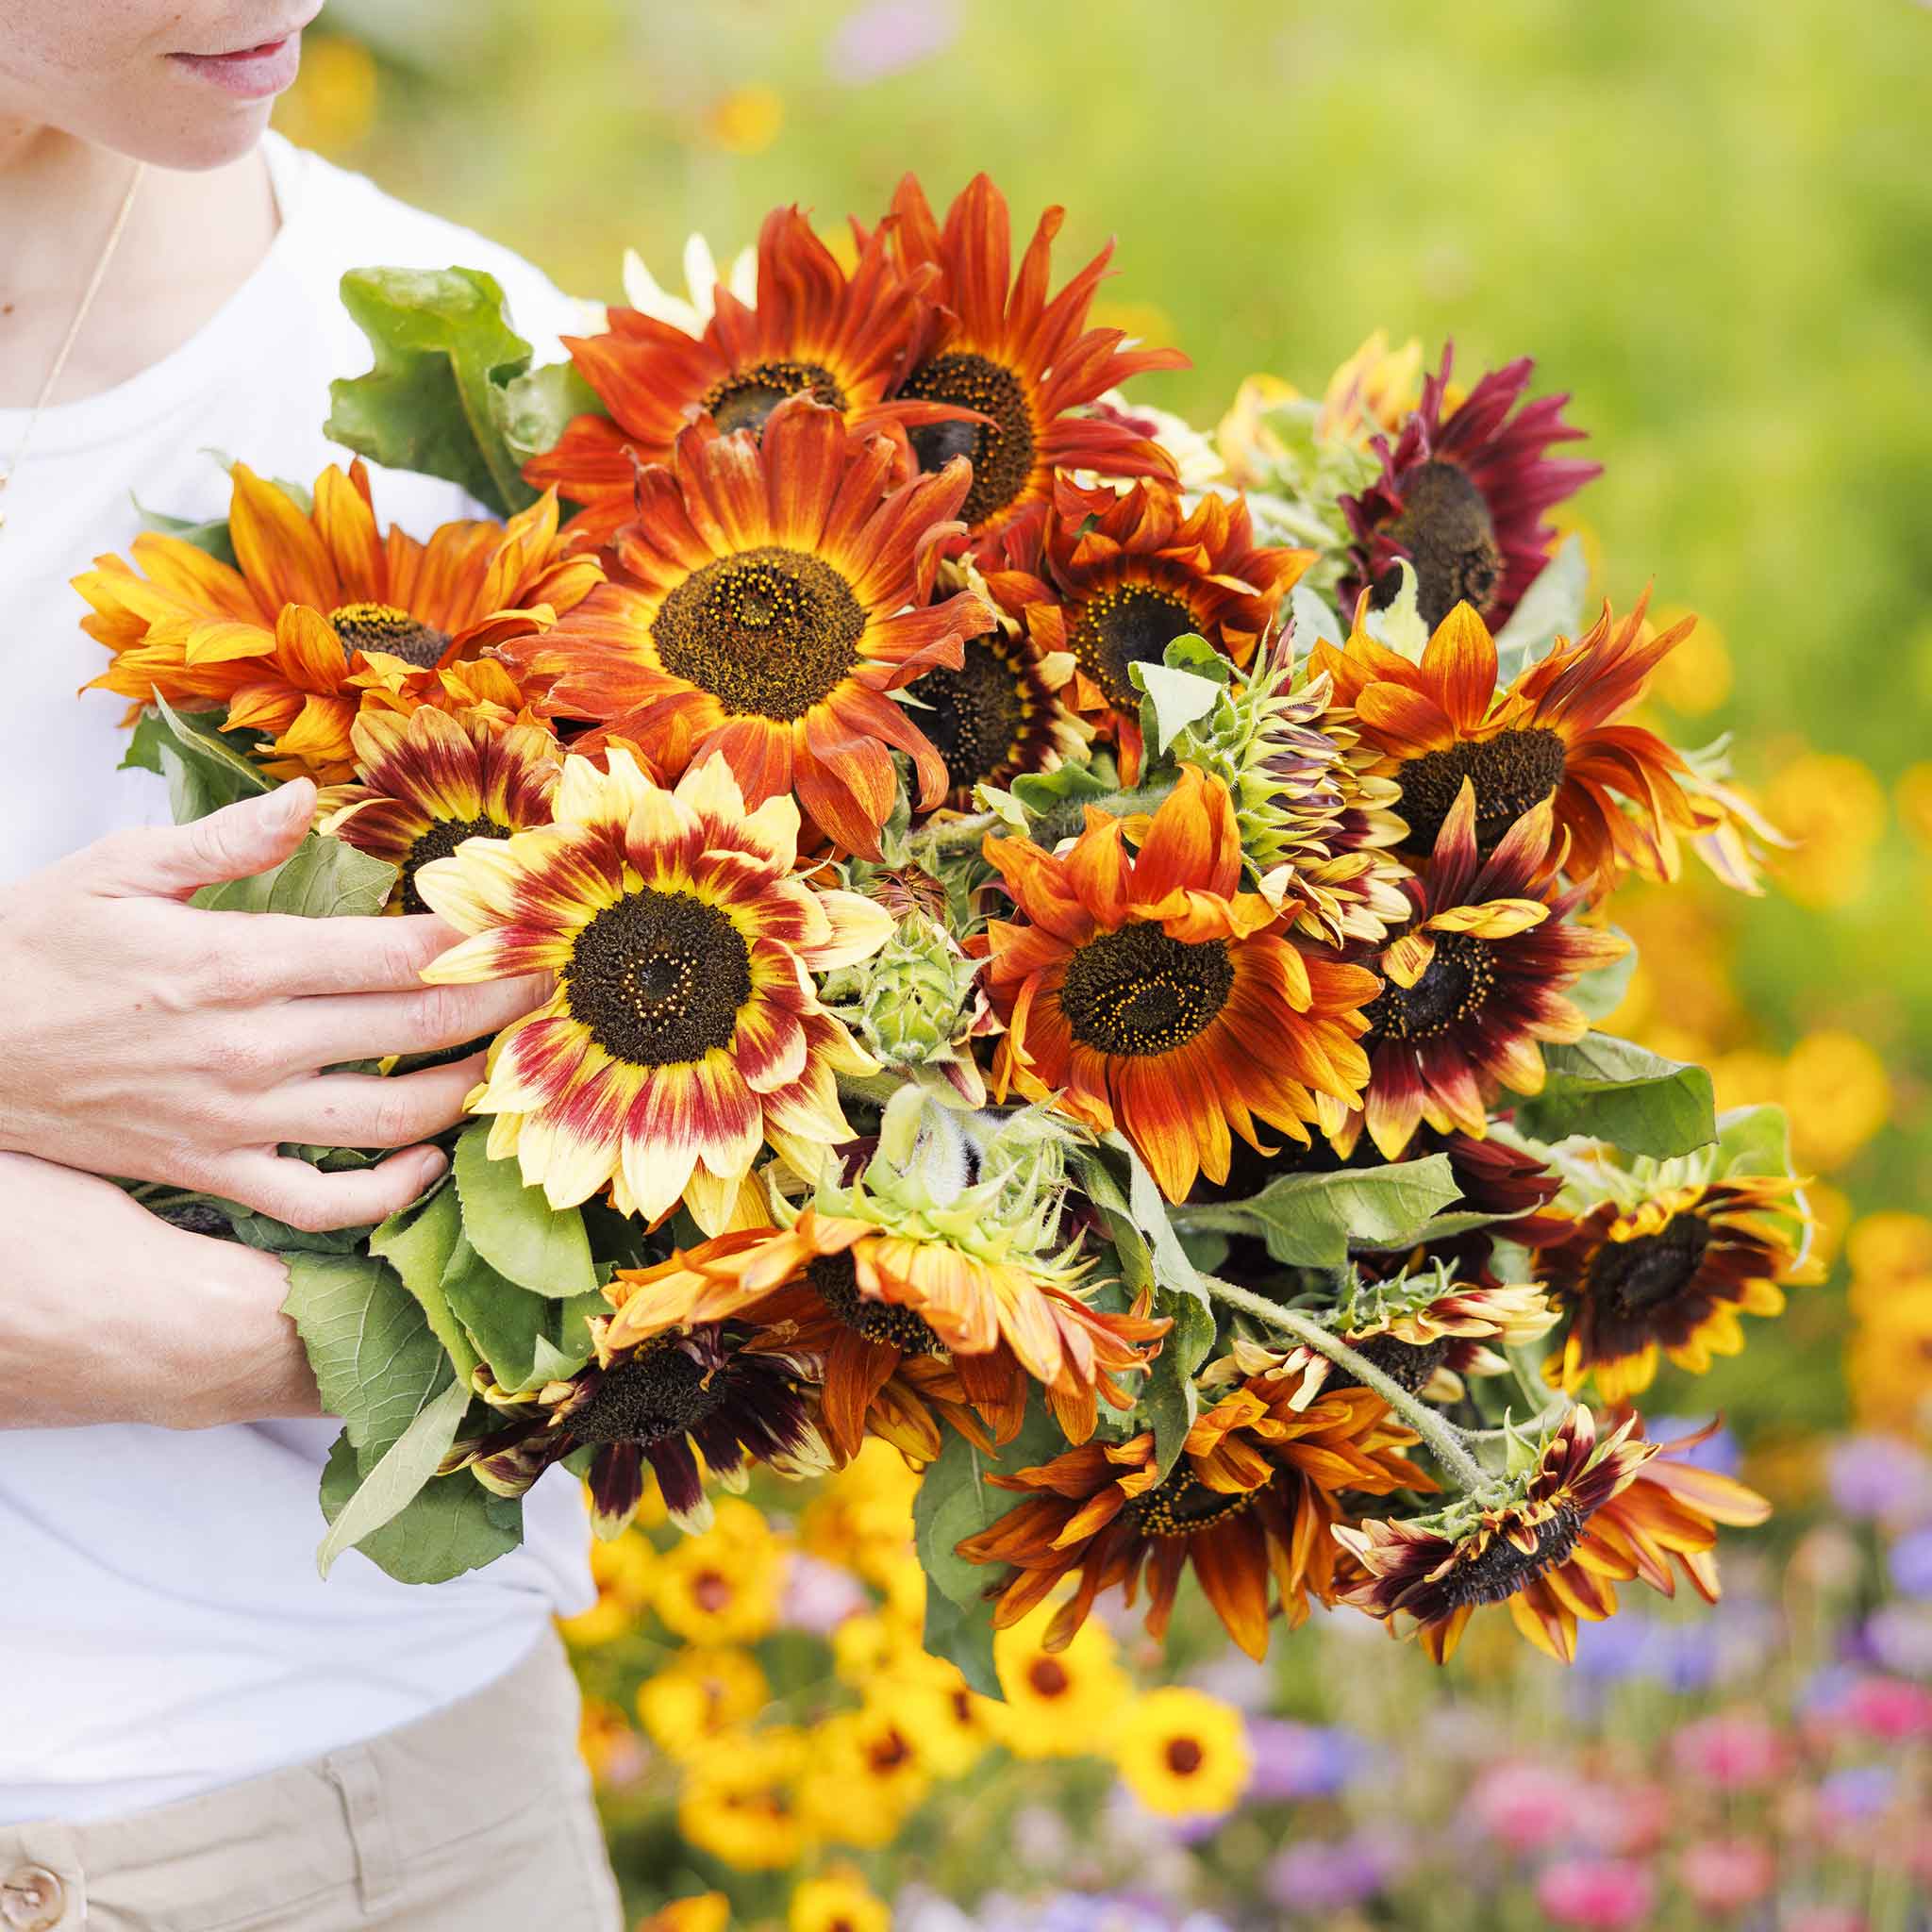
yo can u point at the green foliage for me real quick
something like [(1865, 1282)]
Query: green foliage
[(376, 1361), (527, 1339), (451, 1525), (206, 767), (418, 1244), (323, 878), (1309, 1220), (535, 409), (514, 1228), (212, 537), (393, 1480), (1611, 1090)]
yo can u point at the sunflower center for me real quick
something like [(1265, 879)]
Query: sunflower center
[(383, 627), (1499, 1570), (1138, 991), (439, 841), (1407, 1365), (1453, 987), (1124, 625), (837, 1281), (1446, 527), (767, 632), (1185, 1756), (1179, 1505), (659, 1392), (657, 978), (1002, 447), (1510, 772), (1635, 1277), (977, 715), (745, 398)]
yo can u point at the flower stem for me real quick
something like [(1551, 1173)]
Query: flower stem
[(1443, 1438), (954, 835)]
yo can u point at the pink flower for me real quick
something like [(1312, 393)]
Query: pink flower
[(1826, 1919), (1725, 1874), (1597, 1895), (1890, 1709), (1734, 1750), (1625, 1820), (1525, 1806)]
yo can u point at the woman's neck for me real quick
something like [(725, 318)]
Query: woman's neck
[(190, 243)]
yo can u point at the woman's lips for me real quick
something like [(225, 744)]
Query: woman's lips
[(253, 72)]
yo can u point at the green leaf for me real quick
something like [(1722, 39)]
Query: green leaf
[(212, 537), (955, 1501), (397, 1476), (507, 1323), (1753, 1140), (963, 1635), (323, 878), (1600, 991), (418, 1244), (376, 1361), (535, 409), (1168, 1404), (1176, 699), (433, 402), (1314, 622), (1611, 1090), (205, 768), (1551, 606), (1309, 1220), (514, 1228), (453, 1523)]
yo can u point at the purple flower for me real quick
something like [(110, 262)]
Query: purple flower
[(888, 35), (1321, 1876), (1721, 1453), (1911, 1563), (1626, 1646), (1899, 1638), (1881, 1477), (1860, 1790), (1293, 1761)]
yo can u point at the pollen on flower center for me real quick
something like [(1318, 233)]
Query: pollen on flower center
[(1446, 527), (1499, 1570), (1512, 772), (745, 398), (768, 632), (1138, 991), (837, 1281), (1124, 625), (1635, 1276), (977, 714), (383, 627), (659, 1393), (1001, 448), (1179, 1505), (440, 842), (659, 978), (1454, 985)]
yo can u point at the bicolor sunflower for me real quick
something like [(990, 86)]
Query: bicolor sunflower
[(809, 329), (1462, 497), (1154, 995), (1110, 579), (772, 594), (1250, 1502), (1559, 732), (1024, 364), (685, 1031), (1538, 1549), (321, 614), (1477, 981), (703, 1393), (425, 780), (1668, 1275)]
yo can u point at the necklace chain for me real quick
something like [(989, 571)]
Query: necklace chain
[(73, 335)]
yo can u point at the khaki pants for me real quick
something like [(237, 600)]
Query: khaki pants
[(478, 1818)]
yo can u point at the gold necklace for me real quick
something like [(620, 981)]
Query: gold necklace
[(74, 329)]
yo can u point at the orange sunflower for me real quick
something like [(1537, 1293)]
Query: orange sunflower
[(1153, 993), (1616, 789), (1254, 1498), (1113, 577), (772, 594), (685, 1031), (997, 347), (843, 339), (322, 615)]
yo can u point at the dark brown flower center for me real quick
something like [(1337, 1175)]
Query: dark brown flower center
[(1635, 1278), (1457, 980), (383, 627), (1137, 992), (1185, 1756), (1499, 1569), (658, 1393), (659, 978), (439, 841), (743, 399), (1002, 447), (1048, 1677), (1512, 772), (837, 1281), (977, 716), (1179, 1505), (1446, 527), (1407, 1365), (768, 632), (1124, 625)]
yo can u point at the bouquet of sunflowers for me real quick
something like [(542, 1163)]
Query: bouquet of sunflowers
[(1074, 945)]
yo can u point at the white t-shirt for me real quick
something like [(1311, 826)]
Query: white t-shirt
[(162, 1628)]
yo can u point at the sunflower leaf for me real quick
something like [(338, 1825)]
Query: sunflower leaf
[(1309, 1220), (1174, 698), (1600, 991), (323, 878), (527, 1339), (435, 400), (397, 1476), (514, 1228), (963, 1635), (535, 409), (955, 1501), (1611, 1090), (1552, 606), (418, 1243), (211, 538), (205, 768), (451, 1525)]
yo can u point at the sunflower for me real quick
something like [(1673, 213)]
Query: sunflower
[(1252, 1498), (997, 347), (1540, 1549), (1668, 1275), (321, 614), (684, 1032), (772, 595), (1618, 790), (1183, 1754), (427, 779), (1461, 496), (1475, 982), (1111, 579), (1153, 993), (811, 330)]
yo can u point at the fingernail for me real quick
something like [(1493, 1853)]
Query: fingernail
[(433, 1163)]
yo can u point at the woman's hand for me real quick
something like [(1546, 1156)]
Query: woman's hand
[(146, 1038), (109, 1315)]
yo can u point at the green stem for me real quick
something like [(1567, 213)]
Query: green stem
[(1445, 1439), (956, 835)]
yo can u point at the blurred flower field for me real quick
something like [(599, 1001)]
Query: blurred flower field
[(1713, 225)]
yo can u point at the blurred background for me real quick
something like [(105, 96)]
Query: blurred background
[(1712, 222)]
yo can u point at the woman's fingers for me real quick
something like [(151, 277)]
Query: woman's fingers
[(307, 1198), (325, 1032), (257, 956), (366, 1110)]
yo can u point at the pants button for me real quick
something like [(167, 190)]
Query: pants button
[(32, 1899)]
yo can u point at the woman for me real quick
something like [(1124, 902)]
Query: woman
[(196, 1730)]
